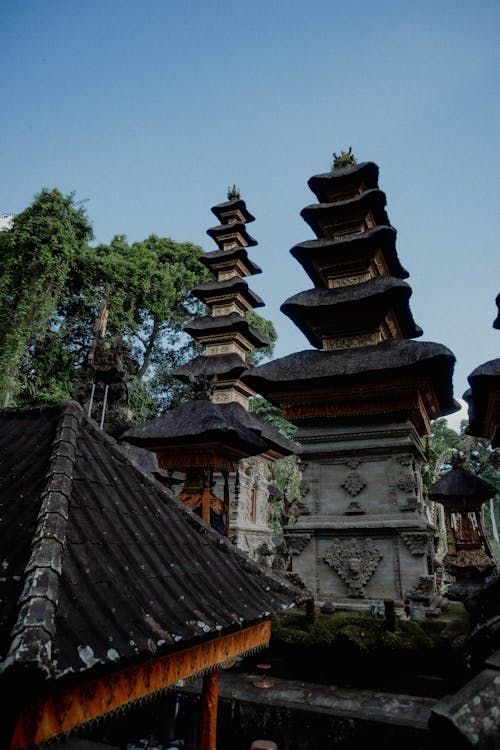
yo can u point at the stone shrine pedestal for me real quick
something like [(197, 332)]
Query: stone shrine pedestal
[(363, 535)]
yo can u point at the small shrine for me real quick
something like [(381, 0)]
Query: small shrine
[(102, 382), (468, 561), (214, 438), (361, 399)]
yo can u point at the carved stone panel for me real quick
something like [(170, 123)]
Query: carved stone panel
[(355, 561), (416, 541), (353, 483), (297, 542)]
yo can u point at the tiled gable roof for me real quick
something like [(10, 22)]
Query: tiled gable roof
[(104, 565)]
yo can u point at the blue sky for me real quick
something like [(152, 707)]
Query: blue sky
[(150, 110)]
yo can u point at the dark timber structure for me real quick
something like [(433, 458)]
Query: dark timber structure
[(361, 403), (111, 590)]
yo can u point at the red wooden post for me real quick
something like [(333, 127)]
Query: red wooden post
[(209, 701)]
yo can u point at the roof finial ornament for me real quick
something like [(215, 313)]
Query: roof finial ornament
[(233, 193), (344, 159), (458, 458)]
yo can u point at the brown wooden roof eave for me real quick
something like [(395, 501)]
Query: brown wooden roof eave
[(231, 323), (484, 384), (374, 200), (210, 289), (212, 259), (399, 358), (218, 233), (227, 365), (459, 482), (327, 185), (358, 304), (236, 205), (326, 252), (496, 322)]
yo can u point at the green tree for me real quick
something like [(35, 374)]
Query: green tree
[(142, 291), (268, 331), (37, 255)]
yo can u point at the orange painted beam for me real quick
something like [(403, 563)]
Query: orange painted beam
[(62, 710)]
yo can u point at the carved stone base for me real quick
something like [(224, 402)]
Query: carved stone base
[(364, 534)]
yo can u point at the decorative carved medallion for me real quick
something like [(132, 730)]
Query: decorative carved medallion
[(355, 560), (297, 542), (416, 541), (353, 484)]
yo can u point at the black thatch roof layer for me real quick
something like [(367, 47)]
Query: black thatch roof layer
[(210, 289), (323, 254), (460, 482), (228, 366), (220, 233), (101, 565), (331, 186), (484, 382), (234, 205), (496, 322), (214, 258), (200, 422), (320, 313), (232, 323), (390, 360), (333, 215)]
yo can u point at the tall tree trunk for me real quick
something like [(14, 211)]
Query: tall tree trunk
[(149, 349)]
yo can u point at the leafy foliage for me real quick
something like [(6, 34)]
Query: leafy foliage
[(54, 286), (38, 254), (267, 330)]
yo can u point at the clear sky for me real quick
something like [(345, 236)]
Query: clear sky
[(149, 110)]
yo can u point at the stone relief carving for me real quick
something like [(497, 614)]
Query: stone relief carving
[(417, 542), (353, 463), (353, 484), (405, 460), (354, 508), (355, 561), (407, 484), (297, 542), (424, 590)]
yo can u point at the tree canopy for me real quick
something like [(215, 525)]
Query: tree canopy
[(58, 294), (38, 253)]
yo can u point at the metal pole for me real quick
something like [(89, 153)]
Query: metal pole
[(91, 403), (104, 405)]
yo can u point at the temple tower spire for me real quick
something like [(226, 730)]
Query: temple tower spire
[(361, 401)]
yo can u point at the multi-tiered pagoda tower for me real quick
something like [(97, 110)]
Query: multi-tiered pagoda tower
[(225, 334), (214, 436), (361, 402), (228, 338)]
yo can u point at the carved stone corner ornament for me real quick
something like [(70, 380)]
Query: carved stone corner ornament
[(297, 542), (355, 561), (424, 590), (405, 460), (407, 484), (416, 541), (353, 484)]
